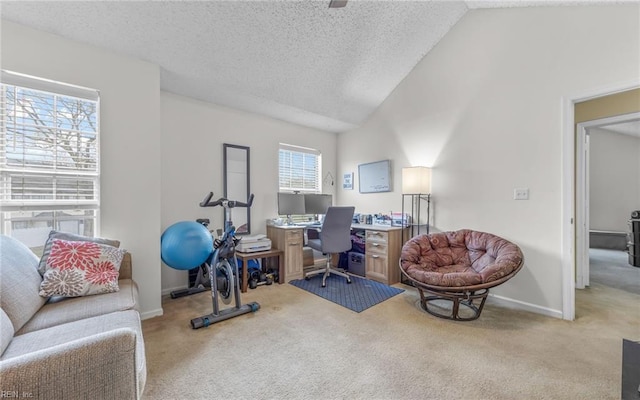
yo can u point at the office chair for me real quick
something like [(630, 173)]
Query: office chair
[(334, 237)]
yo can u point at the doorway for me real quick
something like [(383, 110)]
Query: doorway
[(601, 103), (607, 175), (607, 190)]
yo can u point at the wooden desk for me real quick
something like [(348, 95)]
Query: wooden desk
[(245, 257), (289, 239), (382, 250)]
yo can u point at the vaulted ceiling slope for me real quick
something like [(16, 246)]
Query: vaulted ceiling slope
[(298, 61)]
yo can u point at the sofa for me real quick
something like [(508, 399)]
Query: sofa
[(86, 347)]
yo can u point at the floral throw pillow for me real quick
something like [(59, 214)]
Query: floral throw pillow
[(78, 268), (71, 237)]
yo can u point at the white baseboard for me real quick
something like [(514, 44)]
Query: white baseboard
[(166, 292), (150, 314), (521, 305)]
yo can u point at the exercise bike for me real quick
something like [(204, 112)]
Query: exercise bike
[(223, 268)]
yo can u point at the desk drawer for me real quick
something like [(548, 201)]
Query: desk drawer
[(293, 237), (379, 248), (376, 243), (377, 236), (376, 267)]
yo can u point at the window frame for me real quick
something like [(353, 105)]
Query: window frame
[(318, 178), (58, 199), (293, 149)]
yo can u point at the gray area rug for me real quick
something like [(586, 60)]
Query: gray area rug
[(357, 296)]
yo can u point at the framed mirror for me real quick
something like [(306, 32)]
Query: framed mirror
[(236, 184)]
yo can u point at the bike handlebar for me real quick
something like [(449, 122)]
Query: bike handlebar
[(226, 203), (204, 202)]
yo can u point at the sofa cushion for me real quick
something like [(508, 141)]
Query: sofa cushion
[(6, 331), (80, 268), (19, 282), (61, 335), (60, 310), (42, 266)]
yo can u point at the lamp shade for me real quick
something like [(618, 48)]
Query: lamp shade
[(416, 180)]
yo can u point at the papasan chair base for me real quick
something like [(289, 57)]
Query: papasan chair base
[(472, 301), (458, 268)]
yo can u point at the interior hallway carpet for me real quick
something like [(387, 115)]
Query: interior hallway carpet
[(357, 296)]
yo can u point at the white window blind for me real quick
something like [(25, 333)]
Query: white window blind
[(299, 169), (49, 156)]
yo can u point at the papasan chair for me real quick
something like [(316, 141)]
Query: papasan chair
[(458, 269)]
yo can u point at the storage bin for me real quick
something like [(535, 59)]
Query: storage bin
[(356, 263)]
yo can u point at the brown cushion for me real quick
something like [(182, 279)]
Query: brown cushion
[(459, 258)]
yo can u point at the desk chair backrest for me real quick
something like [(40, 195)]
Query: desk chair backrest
[(336, 229)]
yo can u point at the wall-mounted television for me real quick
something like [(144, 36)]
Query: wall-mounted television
[(375, 177)]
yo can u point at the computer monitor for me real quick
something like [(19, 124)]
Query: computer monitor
[(315, 203), (290, 204)]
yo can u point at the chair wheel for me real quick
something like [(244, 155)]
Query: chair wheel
[(349, 281), (324, 285), (306, 278)]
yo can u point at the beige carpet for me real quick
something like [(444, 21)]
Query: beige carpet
[(299, 346)]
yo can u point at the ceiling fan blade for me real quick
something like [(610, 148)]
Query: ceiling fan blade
[(337, 3)]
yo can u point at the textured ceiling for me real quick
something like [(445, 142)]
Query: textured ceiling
[(297, 61)]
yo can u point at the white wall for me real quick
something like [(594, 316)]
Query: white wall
[(130, 138), (484, 109), (614, 181), (193, 133), (138, 157)]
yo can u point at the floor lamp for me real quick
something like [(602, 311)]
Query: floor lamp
[(416, 185)]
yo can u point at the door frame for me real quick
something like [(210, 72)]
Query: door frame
[(569, 172), (582, 191)]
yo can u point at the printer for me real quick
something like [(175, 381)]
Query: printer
[(255, 243)]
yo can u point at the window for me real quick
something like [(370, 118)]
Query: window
[(49, 158), (299, 169)]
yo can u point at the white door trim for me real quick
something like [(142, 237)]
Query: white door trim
[(582, 206), (569, 189)]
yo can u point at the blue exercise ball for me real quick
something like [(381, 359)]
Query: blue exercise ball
[(185, 245)]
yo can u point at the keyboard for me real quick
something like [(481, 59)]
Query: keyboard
[(309, 224)]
